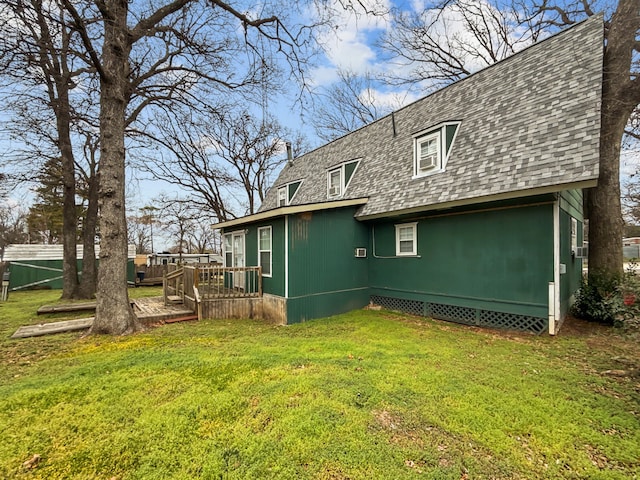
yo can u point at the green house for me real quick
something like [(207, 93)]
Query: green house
[(466, 205)]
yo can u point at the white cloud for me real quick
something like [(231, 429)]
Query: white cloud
[(347, 46), (387, 101)]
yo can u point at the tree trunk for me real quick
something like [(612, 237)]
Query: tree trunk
[(87, 287), (619, 98), (604, 209), (69, 213), (114, 314)]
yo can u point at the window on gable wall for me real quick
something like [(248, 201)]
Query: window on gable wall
[(432, 147), (264, 250), (407, 239)]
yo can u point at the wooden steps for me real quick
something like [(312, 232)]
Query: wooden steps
[(181, 319)]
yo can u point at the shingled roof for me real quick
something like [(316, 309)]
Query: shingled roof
[(529, 124)]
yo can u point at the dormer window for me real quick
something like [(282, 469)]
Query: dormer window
[(429, 153), (282, 196), (335, 183), (431, 148), (287, 192), (338, 178)]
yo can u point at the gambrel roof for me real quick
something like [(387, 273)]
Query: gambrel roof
[(529, 124)]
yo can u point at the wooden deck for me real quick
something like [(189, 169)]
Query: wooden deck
[(151, 310)]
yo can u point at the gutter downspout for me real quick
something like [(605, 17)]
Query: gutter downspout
[(554, 287)]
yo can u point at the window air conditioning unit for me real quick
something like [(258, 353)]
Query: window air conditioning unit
[(361, 252), (581, 252), (429, 161), (333, 191)]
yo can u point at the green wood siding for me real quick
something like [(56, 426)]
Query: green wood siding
[(325, 278), (274, 284), (569, 281), (571, 201), (499, 260)]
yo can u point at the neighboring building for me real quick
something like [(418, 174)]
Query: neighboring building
[(40, 266), (465, 205), (631, 248), (183, 258)]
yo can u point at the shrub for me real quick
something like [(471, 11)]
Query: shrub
[(610, 300)]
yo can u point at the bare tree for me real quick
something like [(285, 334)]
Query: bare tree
[(175, 23), (13, 225), (620, 98), (350, 104), (226, 159), (138, 233), (179, 216), (452, 38), (88, 180), (39, 48)]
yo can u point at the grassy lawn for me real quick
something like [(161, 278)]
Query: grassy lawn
[(357, 396)]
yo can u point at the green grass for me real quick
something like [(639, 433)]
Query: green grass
[(359, 396)]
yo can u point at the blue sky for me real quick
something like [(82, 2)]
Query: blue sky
[(351, 46)]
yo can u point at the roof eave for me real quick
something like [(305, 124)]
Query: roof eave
[(483, 199), (290, 210)]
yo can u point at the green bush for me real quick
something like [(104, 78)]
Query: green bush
[(596, 299), (610, 300)]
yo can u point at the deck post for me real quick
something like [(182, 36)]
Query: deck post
[(164, 287)]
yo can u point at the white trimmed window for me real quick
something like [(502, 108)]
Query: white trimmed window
[(339, 177), (334, 183), (428, 153), (431, 148), (287, 192), (574, 235), (282, 196), (228, 250), (407, 239), (264, 250)]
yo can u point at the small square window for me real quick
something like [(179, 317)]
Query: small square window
[(407, 239)]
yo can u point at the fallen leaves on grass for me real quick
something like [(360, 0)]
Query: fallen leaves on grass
[(32, 462)]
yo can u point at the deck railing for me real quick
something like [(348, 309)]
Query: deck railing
[(173, 284), (224, 282), (201, 282)]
